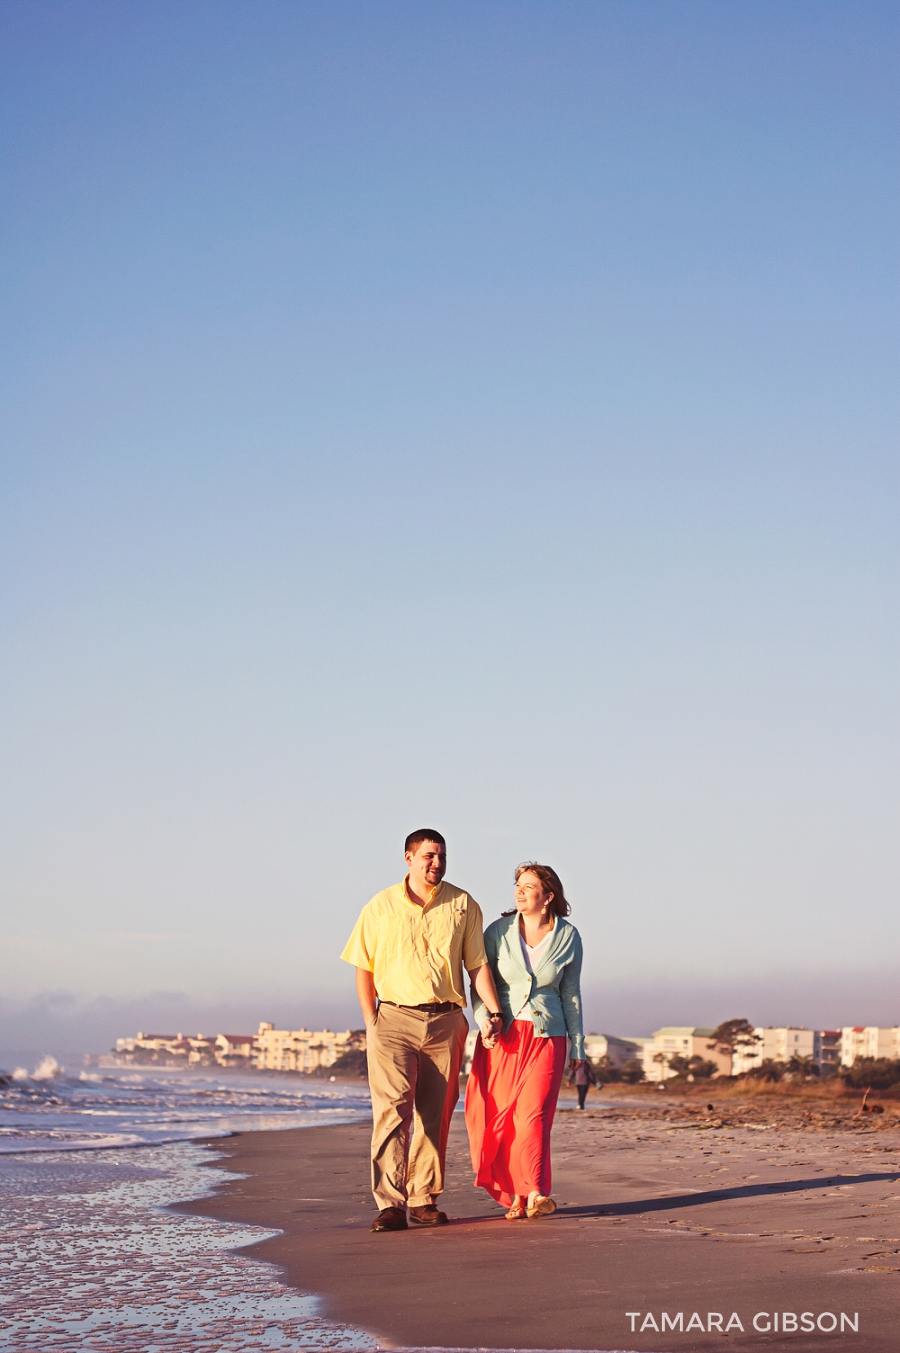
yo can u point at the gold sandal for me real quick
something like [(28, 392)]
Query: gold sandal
[(516, 1213), (542, 1207)]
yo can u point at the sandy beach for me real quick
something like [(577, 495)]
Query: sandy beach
[(742, 1210)]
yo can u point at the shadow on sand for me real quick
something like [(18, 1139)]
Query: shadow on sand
[(665, 1204), (676, 1200)]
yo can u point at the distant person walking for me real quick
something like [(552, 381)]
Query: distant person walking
[(584, 1078), (535, 957), (409, 948)]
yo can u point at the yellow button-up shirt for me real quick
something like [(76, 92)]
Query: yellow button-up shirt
[(417, 954)]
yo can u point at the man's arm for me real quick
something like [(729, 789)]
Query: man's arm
[(366, 993), (483, 982)]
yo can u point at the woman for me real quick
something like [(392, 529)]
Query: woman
[(535, 957), (583, 1077)]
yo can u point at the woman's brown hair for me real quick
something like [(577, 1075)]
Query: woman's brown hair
[(550, 882)]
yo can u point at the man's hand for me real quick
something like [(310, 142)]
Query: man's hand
[(491, 1027), (367, 995), (483, 981)]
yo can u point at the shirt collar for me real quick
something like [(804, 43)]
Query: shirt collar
[(431, 896)]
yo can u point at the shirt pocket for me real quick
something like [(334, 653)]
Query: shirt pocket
[(455, 925), (395, 937)]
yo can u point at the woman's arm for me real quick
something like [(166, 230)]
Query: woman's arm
[(570, 998)]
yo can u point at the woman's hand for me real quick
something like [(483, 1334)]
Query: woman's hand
[(490, 1031), (575, 1063)]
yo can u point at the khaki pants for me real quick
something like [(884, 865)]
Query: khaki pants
[(414, 1063)]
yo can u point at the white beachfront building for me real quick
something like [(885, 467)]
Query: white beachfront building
[(677, 1040), (302, 1049), (776, 1043), (869, 1041)]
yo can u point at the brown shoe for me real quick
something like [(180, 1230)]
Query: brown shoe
[(427, 1216), (390, 1219)]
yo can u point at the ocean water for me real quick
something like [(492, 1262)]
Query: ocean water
[(90, 1257), (50, 1109)]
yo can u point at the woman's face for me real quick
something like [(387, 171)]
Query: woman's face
[(530, 895)]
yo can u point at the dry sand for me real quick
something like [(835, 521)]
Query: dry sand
[(756, 1206)]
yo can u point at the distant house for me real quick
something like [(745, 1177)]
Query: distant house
[(150, 1042), (202, 1051), (618, 1050), (235, 1048), (155, 1049)]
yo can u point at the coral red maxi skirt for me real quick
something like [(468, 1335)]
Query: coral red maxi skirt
[(510, 1102)]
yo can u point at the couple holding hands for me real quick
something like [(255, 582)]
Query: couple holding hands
[(410, 947)]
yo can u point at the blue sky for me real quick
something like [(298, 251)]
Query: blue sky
[(481, 416)]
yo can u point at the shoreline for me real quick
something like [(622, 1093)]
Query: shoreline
[(747, 1209), (95, 1261)]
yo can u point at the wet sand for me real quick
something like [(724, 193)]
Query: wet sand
[(754, 1207)]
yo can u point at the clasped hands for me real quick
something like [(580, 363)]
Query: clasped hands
[(491, 1028)]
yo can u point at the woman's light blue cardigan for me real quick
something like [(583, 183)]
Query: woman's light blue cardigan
[(551, 995)]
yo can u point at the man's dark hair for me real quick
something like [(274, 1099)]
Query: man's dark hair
[(423, 834)]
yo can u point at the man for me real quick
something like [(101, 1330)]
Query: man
[(409, 948)]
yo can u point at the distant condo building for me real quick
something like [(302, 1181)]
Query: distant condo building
[(869, 1041), (302, 1050), (828, 1050), (817, 1048), (680, 1041), (269, 1049), (776, 1043)]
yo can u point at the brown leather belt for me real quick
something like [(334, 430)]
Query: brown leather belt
[(431, 1008)]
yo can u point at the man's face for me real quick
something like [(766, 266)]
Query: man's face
[(427, 864)]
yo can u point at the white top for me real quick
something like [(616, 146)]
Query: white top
[(532, 953)]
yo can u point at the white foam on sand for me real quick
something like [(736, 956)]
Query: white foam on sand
[(92, 1260)]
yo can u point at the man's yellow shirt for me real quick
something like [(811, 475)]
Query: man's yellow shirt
[(417, 954)]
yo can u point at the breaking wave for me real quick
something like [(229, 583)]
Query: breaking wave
[(48, 1109)]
